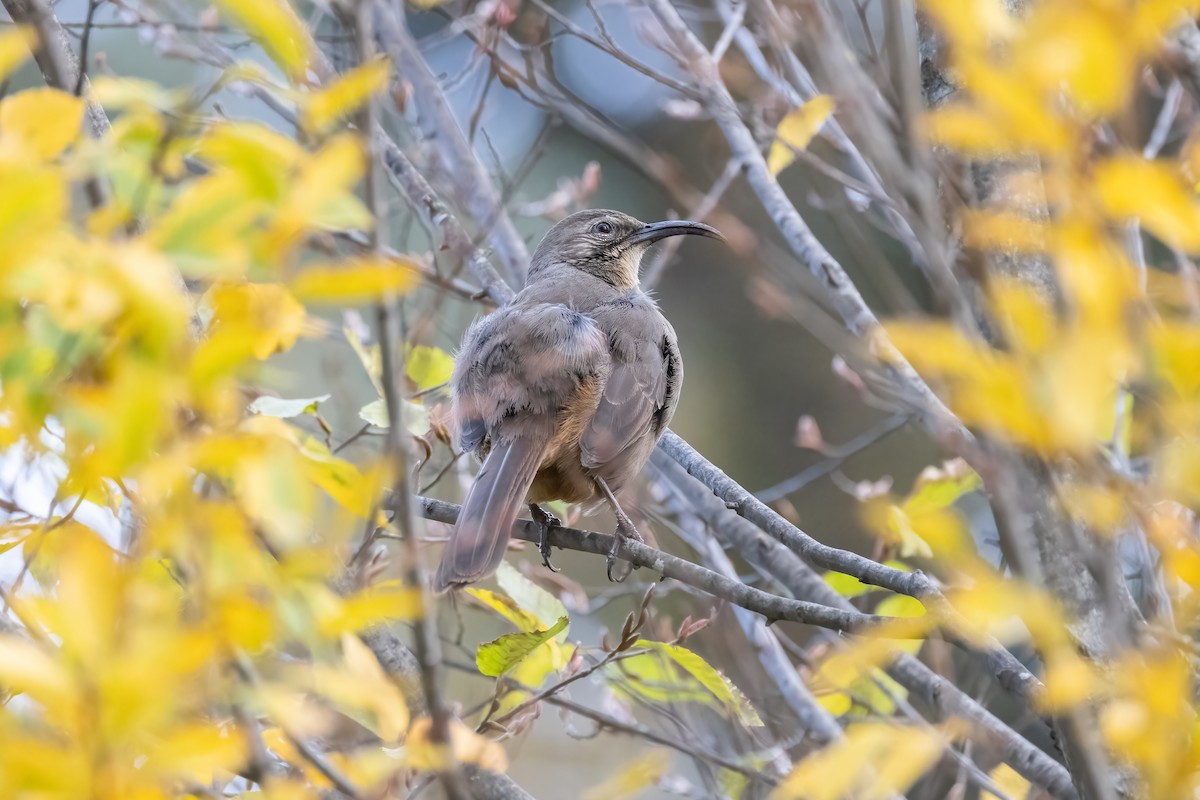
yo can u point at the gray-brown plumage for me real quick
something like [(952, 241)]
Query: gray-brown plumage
[(565, 390)]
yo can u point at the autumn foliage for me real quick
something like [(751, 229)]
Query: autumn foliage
[(147, 272)]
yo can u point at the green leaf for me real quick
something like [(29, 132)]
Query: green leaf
[(498, 656), (284, 407), (720, 687)]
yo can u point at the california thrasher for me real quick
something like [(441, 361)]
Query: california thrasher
[(564, 391)]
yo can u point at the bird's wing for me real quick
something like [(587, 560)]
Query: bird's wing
[(640, 394), (518, 366)]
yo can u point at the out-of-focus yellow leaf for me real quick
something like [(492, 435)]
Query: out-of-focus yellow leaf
[(382, 602), (497, 657), (1007, 780), (262, 157), (264, 316), (721, 688), (965, 129), (27, 668), (276, 27), (796, 130), (1003, 230), (15, 47), (939, 487), (1134, 188), (1081, 50), (205, 231), (38, 124), (321, 196), (642, 773), (354, 282), (873, 762), (422, 753), (972, 24), (354, 490), (428, 366), (1069, 680), (114, 92), (345, 95), (196, 751), (1024, 314), (1101, 508)]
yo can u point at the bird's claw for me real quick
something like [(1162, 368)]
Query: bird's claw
[(545, 521), (625, 530)]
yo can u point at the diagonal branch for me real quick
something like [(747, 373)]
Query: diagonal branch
[(473, 189), (843, 295), (773, 607)]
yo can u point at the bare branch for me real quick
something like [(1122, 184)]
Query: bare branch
[(472, 185), (770, 606)]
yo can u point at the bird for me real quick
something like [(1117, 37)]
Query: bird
[(564, 391)]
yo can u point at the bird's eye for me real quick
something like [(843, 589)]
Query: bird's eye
[(604, 228)]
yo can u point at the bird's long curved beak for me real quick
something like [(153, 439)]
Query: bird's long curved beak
[(673, 227)]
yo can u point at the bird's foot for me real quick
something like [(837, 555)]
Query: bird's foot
[(625, 530), (545, 521)]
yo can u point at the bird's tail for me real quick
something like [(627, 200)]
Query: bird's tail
[(477, 543)]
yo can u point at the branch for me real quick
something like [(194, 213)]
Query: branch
[(843, 295), (60, 68), (942, 695), (770, 606), (426, 646), (472, 185)]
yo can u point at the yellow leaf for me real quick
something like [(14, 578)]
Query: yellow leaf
[(353, 489), (15, 46), (39, 124), (345, 95), (27, 668), (354, 282), (1023, 312), (1080, 49), (263, 316), (128, 93), (262, 157), (205, 231), (529, 596), (428, 366), (196, 751), (372, 606), (796, 130), (641, 773), (276, 27), (1069, 681), (321, 196), (506, 607), (1007, 780), (423, 753), (874, 761), (1134, 188), (965, 129), (717, 685), (1003, 230)]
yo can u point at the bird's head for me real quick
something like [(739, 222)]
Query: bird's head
[(607, 244)]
